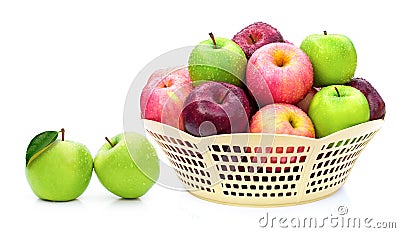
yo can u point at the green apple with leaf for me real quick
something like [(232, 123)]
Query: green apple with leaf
[(333, 58), (127, 165), (57, 170), (217, 59)]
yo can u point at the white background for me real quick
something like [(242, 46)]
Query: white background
[(70, 64)]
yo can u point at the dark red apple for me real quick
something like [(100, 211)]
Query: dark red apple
[(216, 108), (255, 36), (377, 108), (254, 107)]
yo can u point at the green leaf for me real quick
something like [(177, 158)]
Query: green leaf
[(39, 142)]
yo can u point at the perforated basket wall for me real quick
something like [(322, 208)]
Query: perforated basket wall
[(262, 169)]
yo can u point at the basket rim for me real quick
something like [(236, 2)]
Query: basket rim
[(379, 122)]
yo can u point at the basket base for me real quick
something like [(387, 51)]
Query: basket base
[(263, 205)]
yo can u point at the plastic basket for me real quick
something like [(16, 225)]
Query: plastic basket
[(262, 169)]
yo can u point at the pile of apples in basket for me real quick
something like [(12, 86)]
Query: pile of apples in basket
[(258, 82)]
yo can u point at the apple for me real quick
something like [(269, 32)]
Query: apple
[(255, 36), (337, 107), (57, 170), (216, 108), (217, 59), (376, 104), (289, 42), (252, 101), (305, 102), (127, 165), (282, 119), (163, 96), (279, 73), (333, 57)]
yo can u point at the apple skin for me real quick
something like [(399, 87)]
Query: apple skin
[(376, 104), (282, 119), (252, 101), (61, 172), (216, 108), (331, 113), (226, 63), (163, 96), (305, 102), (130, 168), (262, 34), (279, 73), (333, 57)]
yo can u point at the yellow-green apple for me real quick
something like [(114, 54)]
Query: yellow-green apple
[(305, 102), (255, 36), (57, 170), (282, 119), (281, 71), (163, 96), (216, 108), (333, 57), (127, 165), (377, 109), (337, 107), (217, 59)]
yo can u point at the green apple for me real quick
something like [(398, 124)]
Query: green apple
[(337, 107), (333, 57), (58, 170), (217, 59), (127, 165)]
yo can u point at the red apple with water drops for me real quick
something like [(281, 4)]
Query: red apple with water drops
[(282, 119), (279, 73), (216, 108), (255, 36), (163, 96)]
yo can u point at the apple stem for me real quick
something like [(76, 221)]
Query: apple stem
[(252, 39), (223, 98), (337, 91), (108, 140), (325, 33), (62, 134), (213, 39)]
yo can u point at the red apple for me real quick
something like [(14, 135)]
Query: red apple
[(282, 119), (216, 108), (286, 41), (163, 96), (281, 71), (255, 36), (305, 102)]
